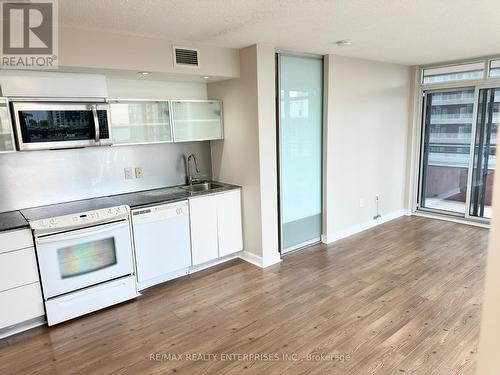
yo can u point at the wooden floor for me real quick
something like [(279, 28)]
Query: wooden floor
[(404, 297)]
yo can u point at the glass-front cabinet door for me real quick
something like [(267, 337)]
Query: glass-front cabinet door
[(197, 120), (6, 133), (144, 121)]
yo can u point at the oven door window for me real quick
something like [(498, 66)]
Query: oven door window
[(86, 257), (55, 126)]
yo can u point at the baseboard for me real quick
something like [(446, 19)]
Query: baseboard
[(21, 327), (355, 229), (259, 261)]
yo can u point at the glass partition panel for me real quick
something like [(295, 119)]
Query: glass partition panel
[(140, 122), (300, 149), (446, 150), (197, 120)]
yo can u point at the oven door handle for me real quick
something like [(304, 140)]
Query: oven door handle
[(67, 236)]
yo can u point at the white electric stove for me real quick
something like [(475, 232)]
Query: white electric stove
[(86, 261)]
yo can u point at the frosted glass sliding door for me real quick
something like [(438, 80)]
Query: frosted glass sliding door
[(300, 81)]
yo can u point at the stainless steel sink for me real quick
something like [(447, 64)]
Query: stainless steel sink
[(201, 187)]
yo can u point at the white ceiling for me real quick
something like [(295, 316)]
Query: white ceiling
[(407, 32)]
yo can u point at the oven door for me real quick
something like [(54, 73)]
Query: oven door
[(54, 125), (81, 258)]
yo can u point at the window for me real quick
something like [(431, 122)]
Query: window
[(494, 68), (450, 73), (459, 138)]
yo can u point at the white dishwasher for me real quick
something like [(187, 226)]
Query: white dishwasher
[(162, 242)]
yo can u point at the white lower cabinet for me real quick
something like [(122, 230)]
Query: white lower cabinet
[(229, 222), (215, 226), (18, 268), (21, 304), (20, 291), (203, 220)]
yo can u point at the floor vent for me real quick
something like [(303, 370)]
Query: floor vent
[(186, 57)]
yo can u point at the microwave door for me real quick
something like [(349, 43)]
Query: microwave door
[(42, 126)]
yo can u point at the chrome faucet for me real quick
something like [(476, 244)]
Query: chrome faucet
[(190, 178)]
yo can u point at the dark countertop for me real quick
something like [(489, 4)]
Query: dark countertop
[(12, 220), (165, 195), (19, 219)]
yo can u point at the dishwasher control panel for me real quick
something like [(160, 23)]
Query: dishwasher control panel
[(164, 211)]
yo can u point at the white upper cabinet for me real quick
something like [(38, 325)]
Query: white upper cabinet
[(6, 134), (197, 120), (146, 121)]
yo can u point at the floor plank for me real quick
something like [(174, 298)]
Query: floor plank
[(402, 298)]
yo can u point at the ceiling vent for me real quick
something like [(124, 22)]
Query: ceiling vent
[(186, 57)]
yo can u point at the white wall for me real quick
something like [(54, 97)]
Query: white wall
[(247, 155), (366, 143), (106, 51), (266, 88), (236, 158), (148, 89), (489, 360)]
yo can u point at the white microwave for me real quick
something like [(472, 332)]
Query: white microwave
[(44, 125)]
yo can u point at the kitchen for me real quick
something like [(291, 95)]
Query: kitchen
[(103, 250)]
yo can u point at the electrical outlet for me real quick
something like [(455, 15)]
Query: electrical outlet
[(361, 202), (128, 173), (138, 172)]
